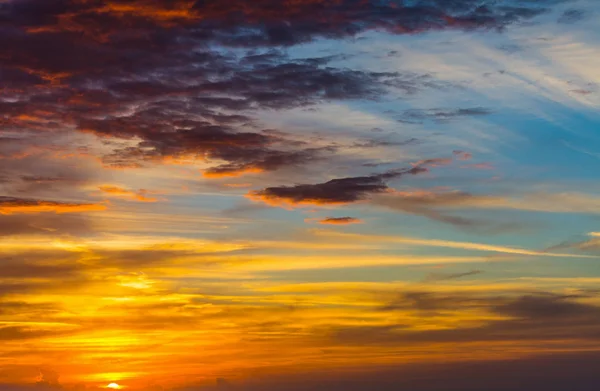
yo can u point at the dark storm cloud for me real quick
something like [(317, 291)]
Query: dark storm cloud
[(335, 191)]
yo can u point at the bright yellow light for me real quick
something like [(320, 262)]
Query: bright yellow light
[(114, 386)]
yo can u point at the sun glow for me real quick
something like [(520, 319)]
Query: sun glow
[(114, 386)]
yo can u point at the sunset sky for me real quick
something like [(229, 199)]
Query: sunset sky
[(324, 195)]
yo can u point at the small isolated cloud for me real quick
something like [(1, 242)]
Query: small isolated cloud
[(339, 221), (335, 191)]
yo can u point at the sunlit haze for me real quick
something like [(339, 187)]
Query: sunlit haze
[(299, 195)]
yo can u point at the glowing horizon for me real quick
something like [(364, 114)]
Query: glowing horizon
[(290, 195)]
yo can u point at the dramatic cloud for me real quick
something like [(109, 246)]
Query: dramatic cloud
[(148, 72), (264, 22), (181, 122), (195, 105), (335, 191)]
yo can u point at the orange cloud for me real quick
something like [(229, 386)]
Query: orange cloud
[(216, 173), (11, 205), (162, 15), (140, 195), (337, 220), (275, 200)]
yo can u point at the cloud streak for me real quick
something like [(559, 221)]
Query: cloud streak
[(12, 205), (335, 191)]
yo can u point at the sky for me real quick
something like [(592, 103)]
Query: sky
[(291, 195)]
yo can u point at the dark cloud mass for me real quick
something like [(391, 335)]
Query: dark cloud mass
[(264, 22), (335, 191), (150, 72)]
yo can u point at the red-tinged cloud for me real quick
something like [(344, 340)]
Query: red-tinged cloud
[(12, 205), (141, 195), (340, 221)]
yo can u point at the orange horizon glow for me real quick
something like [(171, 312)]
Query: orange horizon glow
[(299, 195)]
